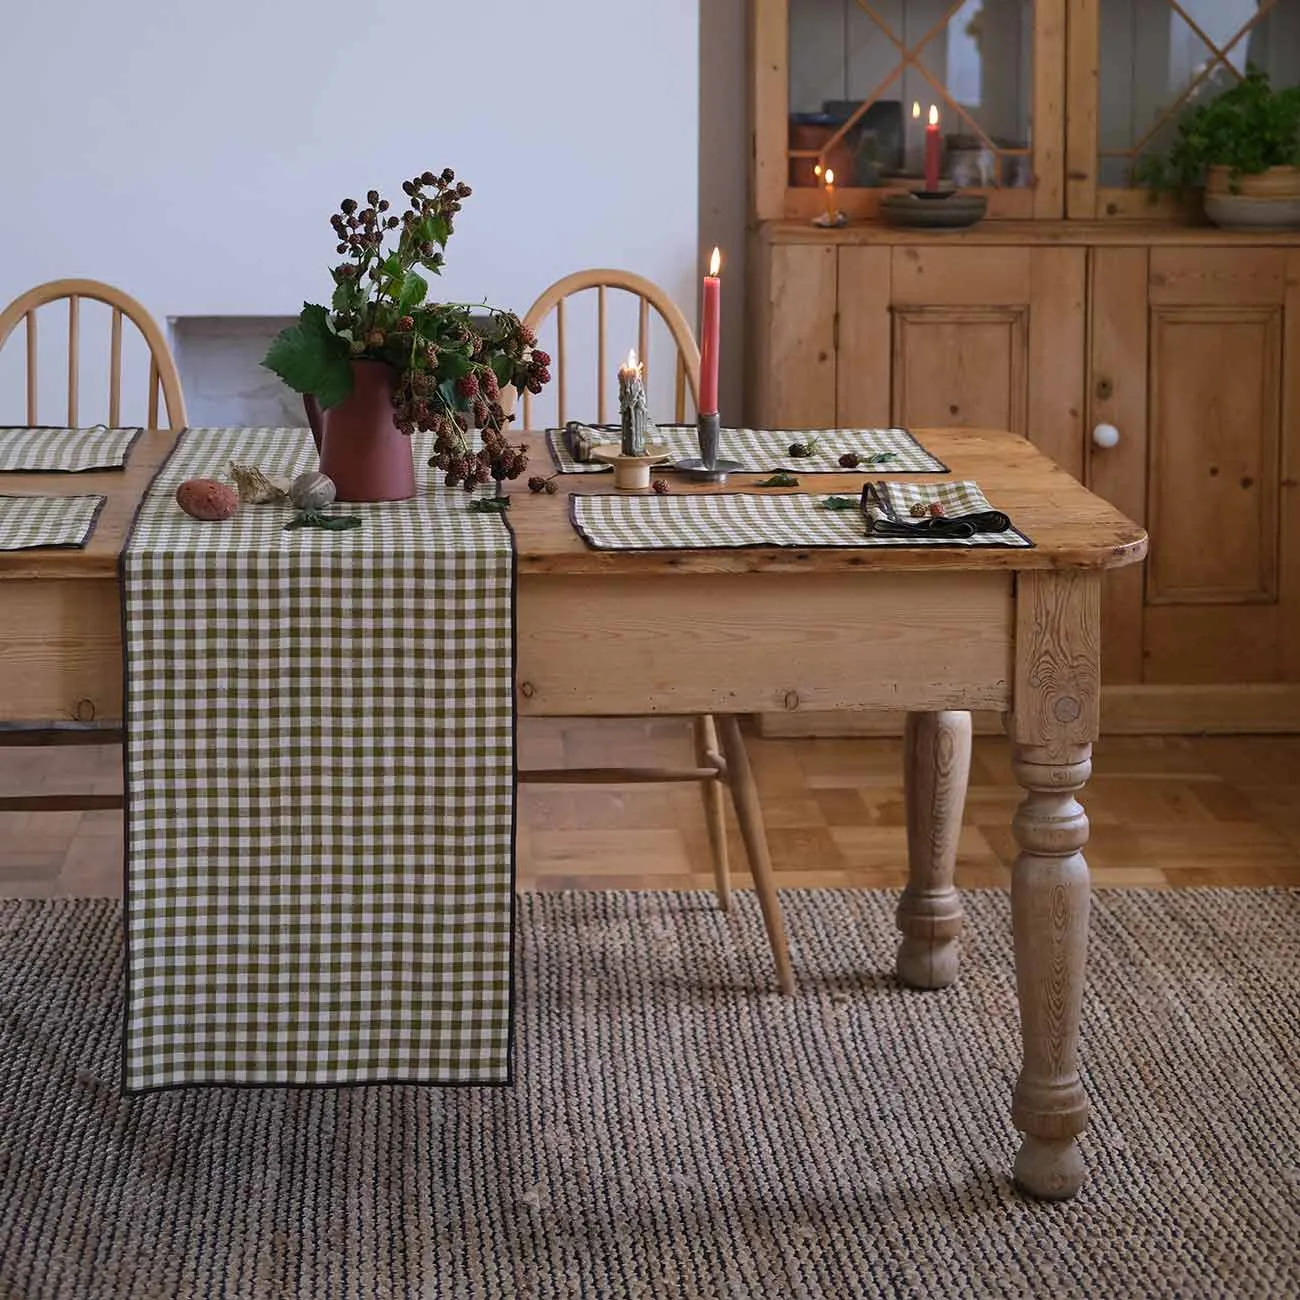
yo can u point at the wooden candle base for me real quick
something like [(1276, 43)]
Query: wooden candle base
[(630, 472)]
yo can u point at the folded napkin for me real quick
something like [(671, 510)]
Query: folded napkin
[(936, 512)]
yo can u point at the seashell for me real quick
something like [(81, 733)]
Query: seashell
[(254, 487), (312, 490), (206, 499)]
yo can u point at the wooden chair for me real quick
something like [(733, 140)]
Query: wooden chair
[(162, 378), (162, 369), (720, 756)]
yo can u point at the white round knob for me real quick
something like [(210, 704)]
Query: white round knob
[(1105, 435)]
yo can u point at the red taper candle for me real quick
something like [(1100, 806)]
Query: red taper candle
[(710, 320), (932, 150)]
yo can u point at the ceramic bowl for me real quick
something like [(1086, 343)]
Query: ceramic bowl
[(1240, 212)]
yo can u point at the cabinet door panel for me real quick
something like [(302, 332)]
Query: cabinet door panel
[(1117, 395), (992, 337), (1215, 414), (1223, 591), (960, 366)]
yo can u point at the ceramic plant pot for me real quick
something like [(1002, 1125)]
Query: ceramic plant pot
[(361, 448), (1265, 201)]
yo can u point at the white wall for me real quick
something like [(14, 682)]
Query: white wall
[(193, 152)]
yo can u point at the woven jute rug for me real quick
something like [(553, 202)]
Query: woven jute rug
[(679, 1130)]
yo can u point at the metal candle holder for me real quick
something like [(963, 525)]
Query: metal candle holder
[(708, 467)]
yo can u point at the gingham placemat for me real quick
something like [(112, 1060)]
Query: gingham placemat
[(737, 519), (30, 521), (66, 451), (895, 451), (320, 785)]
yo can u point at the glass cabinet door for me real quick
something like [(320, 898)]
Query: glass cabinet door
[(863, 76), (1154, 60)]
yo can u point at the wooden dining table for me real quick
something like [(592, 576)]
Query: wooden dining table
[(933, 632)]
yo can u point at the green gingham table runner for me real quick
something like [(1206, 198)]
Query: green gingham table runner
[(30, 521), (320, 786), (737, 519), (66, 451), (763, 450)]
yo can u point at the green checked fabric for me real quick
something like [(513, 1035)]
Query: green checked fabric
[(66, 451), (30, 521), (763, 450), (735, 519), (320, 786), (908, 502)]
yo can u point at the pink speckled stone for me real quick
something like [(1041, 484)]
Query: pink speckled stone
[(206, 499)]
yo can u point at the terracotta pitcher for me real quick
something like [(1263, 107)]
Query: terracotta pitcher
[(361, 447)]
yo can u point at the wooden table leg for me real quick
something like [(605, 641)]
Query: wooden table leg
[(1049, 919), (1054, 723), (936, 769)]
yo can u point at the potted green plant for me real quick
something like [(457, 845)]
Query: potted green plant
[(1244, 147), (381, 361)]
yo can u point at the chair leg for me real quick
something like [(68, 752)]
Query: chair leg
[(715, 813), (744, 794)]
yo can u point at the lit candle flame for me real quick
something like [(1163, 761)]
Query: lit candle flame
[(934, 115), (817, 169), (631, 363), (830, 178), (916, 108), (715, 262)]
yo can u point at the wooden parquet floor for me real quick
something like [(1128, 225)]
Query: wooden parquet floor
[(1165, 811)]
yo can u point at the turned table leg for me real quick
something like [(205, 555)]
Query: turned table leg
[(1054, 721), (936, 768), (1049, 917)]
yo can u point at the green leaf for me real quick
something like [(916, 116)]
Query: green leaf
[(414, 287), (779, 480), (839, 503), (345, 296), (490, 505), (317, 519), (452, 365), (311, 358), (503, 367)]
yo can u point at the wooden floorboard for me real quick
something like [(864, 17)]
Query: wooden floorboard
[(1166, 811)]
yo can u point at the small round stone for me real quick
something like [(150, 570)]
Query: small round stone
[(206, 499), (312, 490)]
